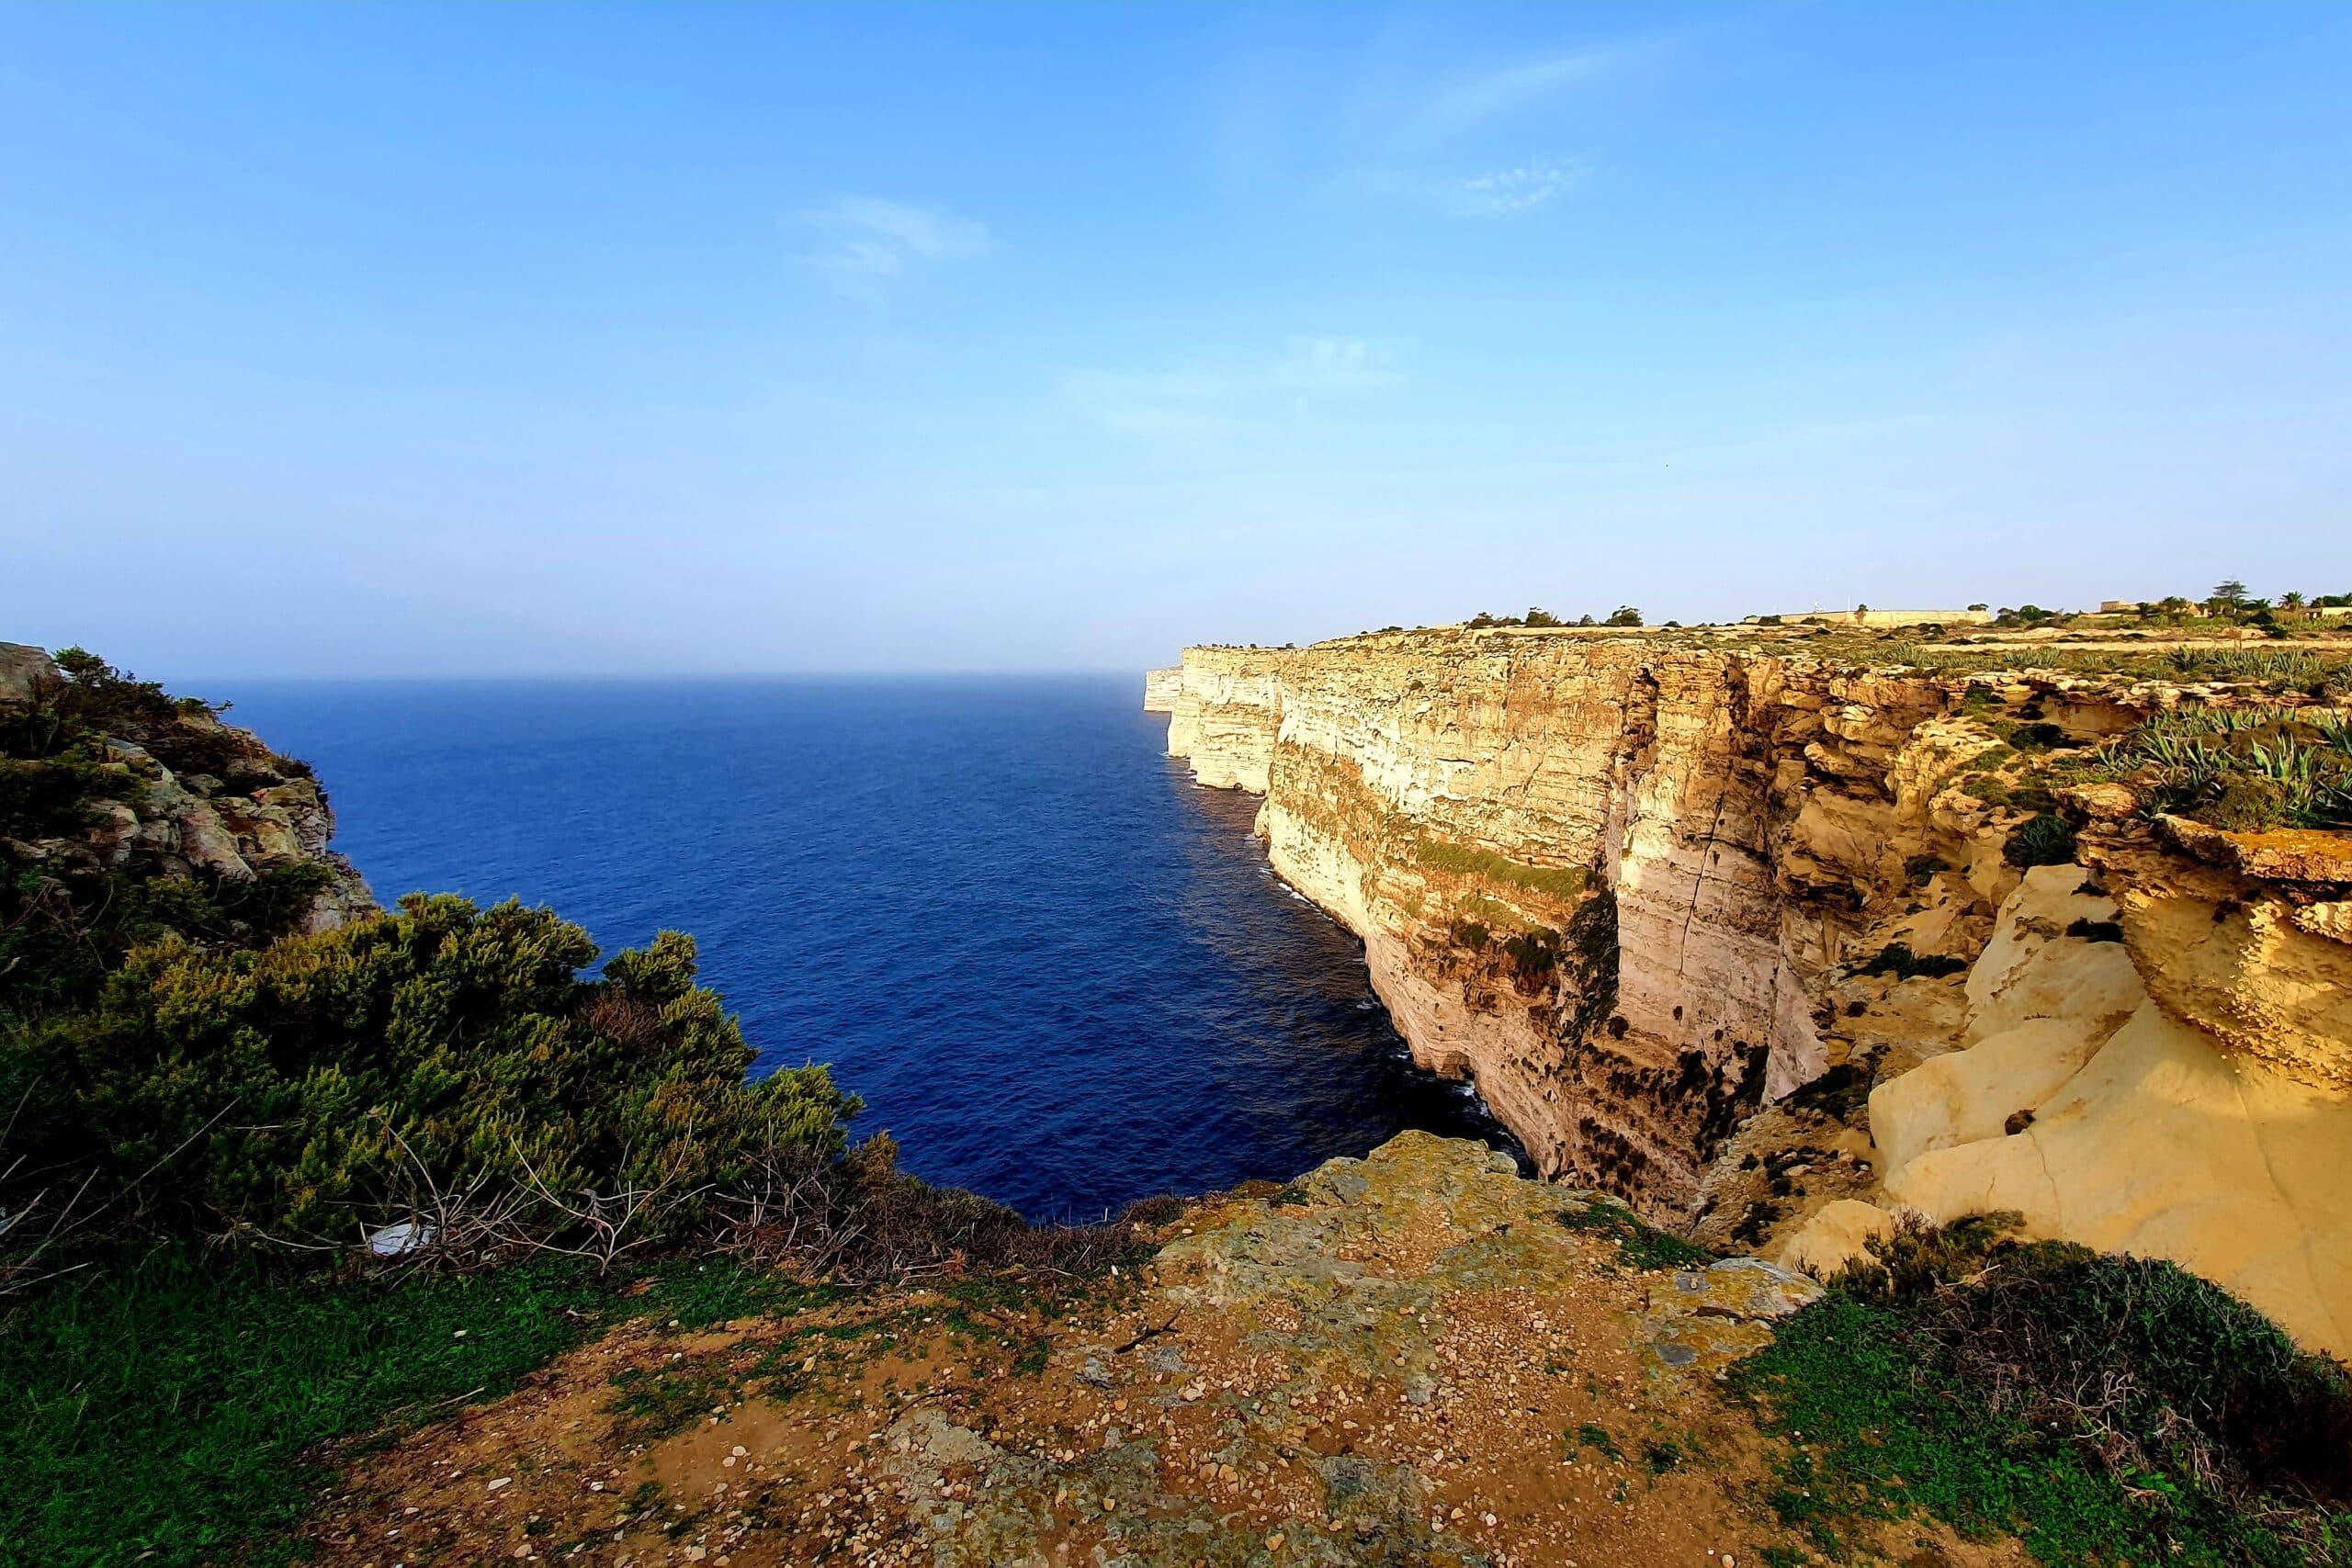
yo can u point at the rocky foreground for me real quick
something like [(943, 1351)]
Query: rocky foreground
[(1413, 1357)]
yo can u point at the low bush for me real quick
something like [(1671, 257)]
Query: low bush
[(2046, 840), (2243, 768), (2106, 1409), (2151, 1368), (332, 1082)]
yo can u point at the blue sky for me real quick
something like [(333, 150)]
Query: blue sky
[(525, 339)]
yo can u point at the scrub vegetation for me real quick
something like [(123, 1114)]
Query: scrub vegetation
[(1565, 881), (2247, 769), (2104, 1410)]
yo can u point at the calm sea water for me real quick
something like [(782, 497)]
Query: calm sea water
[(1054, 967)]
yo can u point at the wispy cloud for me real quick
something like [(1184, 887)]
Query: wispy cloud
[(1326, 365), (1472, 100), (1421, 149), (1498, 193), (1493, 193), (866, 242), (1212, 393)]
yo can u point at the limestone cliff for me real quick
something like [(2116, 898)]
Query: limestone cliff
[(1644, 889), (1601, 876)]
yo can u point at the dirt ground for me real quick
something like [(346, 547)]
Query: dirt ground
[(1405, 1359)]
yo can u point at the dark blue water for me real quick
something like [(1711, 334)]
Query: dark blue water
[(1055, 968)]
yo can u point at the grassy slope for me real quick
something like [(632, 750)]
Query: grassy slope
[(1881, 1429), (193, 1411)]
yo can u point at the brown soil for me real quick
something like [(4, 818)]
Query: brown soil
[(1509, 1424)]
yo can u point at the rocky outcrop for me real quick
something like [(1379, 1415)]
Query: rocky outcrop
[(1644, 890), (231, 812)]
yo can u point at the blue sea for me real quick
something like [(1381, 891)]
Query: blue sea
[(1056, 969)]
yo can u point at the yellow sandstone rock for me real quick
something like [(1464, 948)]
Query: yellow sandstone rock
[(1835, 1234), (2140, 1134)]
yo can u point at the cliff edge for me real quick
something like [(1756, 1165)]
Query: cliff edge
[(1776, 939)]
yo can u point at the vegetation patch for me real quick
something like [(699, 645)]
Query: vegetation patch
[(2243, 768), (1639, 1245), (1595, 1437), (1566, 882), (1591, 963), (2047, 840), (2107, 1410), (91, 745), (2276, 668), (1897, 959), (1838, 1092), (174, 1410)]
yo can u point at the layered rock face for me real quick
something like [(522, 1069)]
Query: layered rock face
[(1594, 874), (1631, 887)]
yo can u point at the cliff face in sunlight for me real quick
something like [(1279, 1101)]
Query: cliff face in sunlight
[(1646, 890)]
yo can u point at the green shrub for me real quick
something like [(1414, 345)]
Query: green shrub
[(2107, 1410), (329, 1080), (2243, 768), (2163, 1380), (1639, 1245), (2047, 840)]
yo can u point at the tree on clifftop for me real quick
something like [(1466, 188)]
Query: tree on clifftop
[(1626, 616)]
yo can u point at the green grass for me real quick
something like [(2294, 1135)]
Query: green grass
[(2264, 666), (1468, 860), (192, 1410), (1638, 1245), (1596, 1437), (1883, 1427)]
